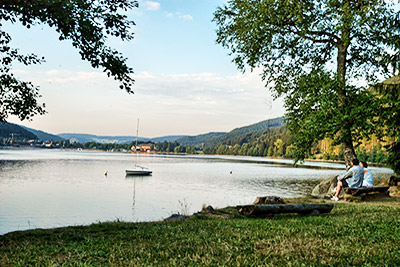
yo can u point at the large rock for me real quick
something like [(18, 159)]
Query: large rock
[(393, 181), (176, 217), (209, 208), (268, 200), (325, 188), (383, 179)]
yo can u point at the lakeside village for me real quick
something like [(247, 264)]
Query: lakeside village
[(146, 147)]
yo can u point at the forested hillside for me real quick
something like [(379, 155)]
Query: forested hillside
[(278, 142), (198, 139), (271, 142), (10, 130), (43, 136), (260, 126)]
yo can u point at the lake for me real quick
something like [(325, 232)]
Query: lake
[(52, 188)]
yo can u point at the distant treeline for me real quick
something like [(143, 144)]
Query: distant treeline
[(174, 147), (169, 147), (94, 145), (275, 142), (278, 143)]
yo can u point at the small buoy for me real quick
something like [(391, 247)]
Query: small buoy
[(105, 173), (231, 172)]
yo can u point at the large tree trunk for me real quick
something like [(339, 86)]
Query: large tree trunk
[(345, 134), (344, 102)]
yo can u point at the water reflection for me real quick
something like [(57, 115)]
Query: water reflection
[(260, 160), (135, 179)]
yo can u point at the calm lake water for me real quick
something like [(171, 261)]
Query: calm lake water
[(53, 188)]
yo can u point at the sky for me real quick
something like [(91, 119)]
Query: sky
[(185, 83)]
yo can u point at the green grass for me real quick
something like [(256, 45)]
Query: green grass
[(362, 234)]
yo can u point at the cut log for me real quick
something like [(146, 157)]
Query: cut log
[(363, 190), (284, 208)]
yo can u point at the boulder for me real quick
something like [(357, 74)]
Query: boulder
[(383, 179), (325, 189), (209, 208), (268, 200), (393, 180), (394, 191), (176, 217)]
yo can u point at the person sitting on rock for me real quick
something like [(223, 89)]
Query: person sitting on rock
[(368, 177), (352, 178)]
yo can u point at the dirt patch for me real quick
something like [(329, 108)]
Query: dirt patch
[(392, 201)]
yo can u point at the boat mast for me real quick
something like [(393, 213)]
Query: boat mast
[(137, 134)]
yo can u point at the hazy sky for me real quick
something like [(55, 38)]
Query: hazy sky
[(185, 82)]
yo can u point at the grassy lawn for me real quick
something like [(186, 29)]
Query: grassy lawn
[(366, 234)]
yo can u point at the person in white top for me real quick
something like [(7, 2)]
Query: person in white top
[(368, 177)]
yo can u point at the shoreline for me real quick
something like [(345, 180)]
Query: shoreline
[(229, 212), (371, 237), (372, 164)]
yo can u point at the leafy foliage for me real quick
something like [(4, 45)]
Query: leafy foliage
[(310, 52), (393, 159), (166, 146), (388, 106), (313, 113), (291, 38), (88, 24), (16, 97)]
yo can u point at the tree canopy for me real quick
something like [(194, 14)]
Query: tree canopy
[(313, 52), (388, 106), (88, 24)]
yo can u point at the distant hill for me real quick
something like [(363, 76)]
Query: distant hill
[(168, 138), (260, 126), (198, 139), (7, 129), (84, 138), (243, 133), (43, 135), (208, 139)]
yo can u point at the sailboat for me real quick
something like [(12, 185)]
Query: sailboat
[(137, 170)]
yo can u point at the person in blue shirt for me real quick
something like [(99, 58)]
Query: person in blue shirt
[(368, 177), (352, 178)]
